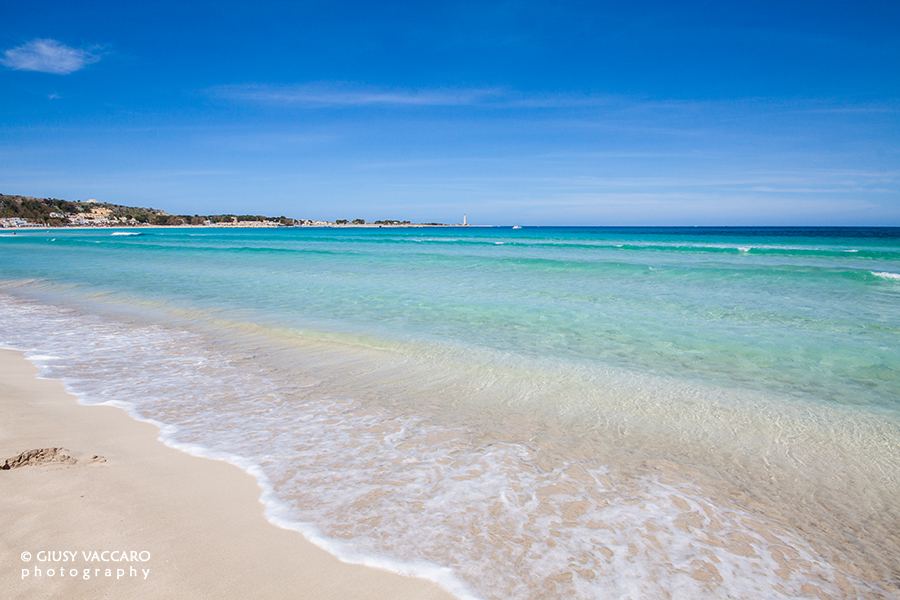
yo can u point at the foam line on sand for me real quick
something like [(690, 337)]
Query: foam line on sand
[(108, 511)]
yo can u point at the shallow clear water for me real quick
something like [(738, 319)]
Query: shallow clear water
[(584, 412)]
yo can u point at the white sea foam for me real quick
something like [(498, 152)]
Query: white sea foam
[(115, 342), (279, 513), (126, 233), (885, 275)]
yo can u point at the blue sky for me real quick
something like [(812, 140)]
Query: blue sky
[(600, 113)]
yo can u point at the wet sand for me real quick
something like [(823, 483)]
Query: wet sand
[(187, 527)]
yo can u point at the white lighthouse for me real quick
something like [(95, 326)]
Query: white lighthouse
[(464, 219)]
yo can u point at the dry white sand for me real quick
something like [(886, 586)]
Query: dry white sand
[(197, 522)]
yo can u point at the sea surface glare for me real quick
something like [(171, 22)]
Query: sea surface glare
[(518, 414)]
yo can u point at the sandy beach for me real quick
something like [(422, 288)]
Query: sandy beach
[(128, 517)]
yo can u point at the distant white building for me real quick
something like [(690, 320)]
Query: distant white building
[(14, 222)]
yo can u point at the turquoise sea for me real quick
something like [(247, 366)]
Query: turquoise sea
[(524, 413)]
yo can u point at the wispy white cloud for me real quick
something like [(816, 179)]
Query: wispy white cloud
[(327, 94), (47, 56), (338, 94), (344, 94)]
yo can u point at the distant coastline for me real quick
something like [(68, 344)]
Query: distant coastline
[(27, 212)]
